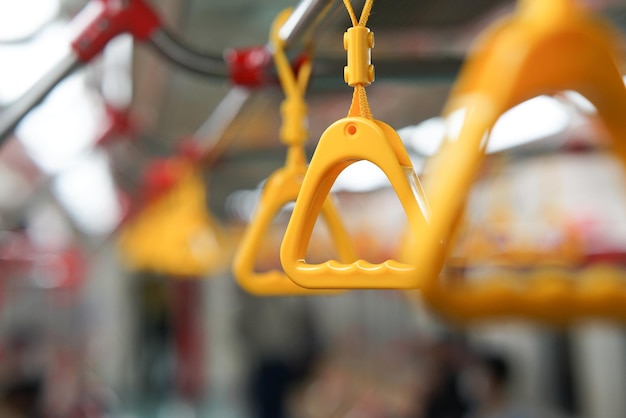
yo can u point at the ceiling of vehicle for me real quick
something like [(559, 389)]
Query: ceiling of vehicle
[(424, 40), (172, 103), (405, 29)]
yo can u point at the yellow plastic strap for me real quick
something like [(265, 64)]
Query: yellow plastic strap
[(358, 42), (175, 234), (348, 140), (284, 185), (294, 129)]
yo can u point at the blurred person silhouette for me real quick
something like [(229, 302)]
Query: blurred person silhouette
[(155, 366), (281, 339), (444, 398), (489, 386), (21, 373)]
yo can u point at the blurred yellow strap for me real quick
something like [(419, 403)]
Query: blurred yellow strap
[(283, 186), (174, 234), (545, 47)]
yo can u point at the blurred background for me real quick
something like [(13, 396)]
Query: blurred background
[(87, 330)]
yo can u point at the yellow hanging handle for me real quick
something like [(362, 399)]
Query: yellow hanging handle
[(284, 185), (174, 234), (544, 48), (351, 139)]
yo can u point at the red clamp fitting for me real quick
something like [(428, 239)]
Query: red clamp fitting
[(102, 20), (119, 123), (248, 67), (189, 149), (160, 176)]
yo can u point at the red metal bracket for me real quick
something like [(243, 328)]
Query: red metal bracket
[(158, 177), (102, 20), (248, 67), (119, 122), (189, 149), (251, 67)]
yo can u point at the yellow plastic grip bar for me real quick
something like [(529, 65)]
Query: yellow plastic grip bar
[(343, 143), (544, 48), (548, 295)]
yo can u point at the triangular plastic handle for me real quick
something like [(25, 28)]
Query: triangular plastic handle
[(281, 188), (346, 141), (537, 51), (175, 234)]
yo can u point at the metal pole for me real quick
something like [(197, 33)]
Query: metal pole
[(301, 25), (305, 20), (12, 115), (180, 54)]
